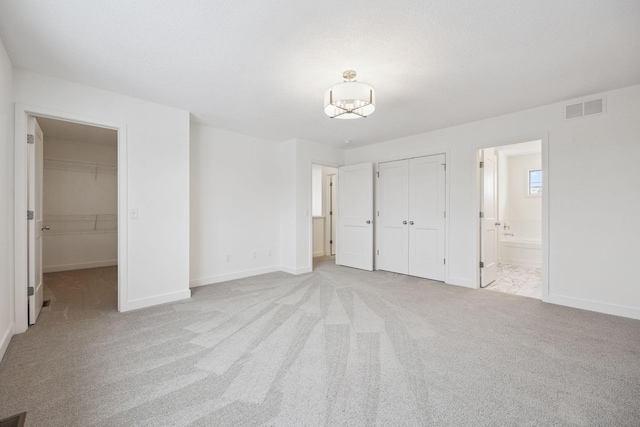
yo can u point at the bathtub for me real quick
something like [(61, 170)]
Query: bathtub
[(519, 251)]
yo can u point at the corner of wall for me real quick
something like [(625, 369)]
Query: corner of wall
[(7, 97)]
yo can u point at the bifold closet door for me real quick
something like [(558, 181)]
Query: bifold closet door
[(427, 217), (393, 217)]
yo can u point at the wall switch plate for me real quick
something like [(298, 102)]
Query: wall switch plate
[(133, 213)]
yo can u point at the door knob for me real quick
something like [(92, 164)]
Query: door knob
[(404, 222), (411, 222), (46, 227), (368, 221)]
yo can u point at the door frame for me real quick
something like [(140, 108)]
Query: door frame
[(447, 198), (20, 202), (544, 152), (309, 209)]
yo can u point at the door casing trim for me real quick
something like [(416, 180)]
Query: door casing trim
[(20, 322)]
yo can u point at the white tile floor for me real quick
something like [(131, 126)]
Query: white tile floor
[(518, 280)]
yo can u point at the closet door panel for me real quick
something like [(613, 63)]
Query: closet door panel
[(393, 206), (426, 217)]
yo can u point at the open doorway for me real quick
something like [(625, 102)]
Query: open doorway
[(510, 205), (75, 189), (323, 203)]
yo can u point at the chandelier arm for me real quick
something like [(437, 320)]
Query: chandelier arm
[(348, 112)]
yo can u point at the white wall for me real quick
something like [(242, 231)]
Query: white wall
[(592, 263), (157, 180), (235, 205), (503, 184), (318, 235), (297, 156), (6, 195), (79, 192), (522, 212)]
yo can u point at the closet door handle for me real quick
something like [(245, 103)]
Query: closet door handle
[(410, 222), (368, 221), (404, 222)]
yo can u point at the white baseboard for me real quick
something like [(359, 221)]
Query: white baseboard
[(319, 253), (78, 266), (296, 271), (524, 263), (159, 299), (231, 276), (5, 340), (600, 307)]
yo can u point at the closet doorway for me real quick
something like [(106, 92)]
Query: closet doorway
[(74, 196)]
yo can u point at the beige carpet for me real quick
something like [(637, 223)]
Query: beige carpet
[(334, 347)]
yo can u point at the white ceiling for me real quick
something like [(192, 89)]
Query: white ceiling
[(261, 67)]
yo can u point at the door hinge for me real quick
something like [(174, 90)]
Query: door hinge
[(331, 184), (378, 252), (445, 166), (30, 291), (378, 213), (481, 165), (481, 214), (444, 261), (30, 215), (481, 264), (378, 174), (330, 212), (445, 214), (31, 139), (331, 242)]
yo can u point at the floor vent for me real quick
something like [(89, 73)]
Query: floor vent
[(587, 108), (15, 421)]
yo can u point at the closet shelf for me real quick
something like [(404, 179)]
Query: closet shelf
[(80, 224), (93, 168)]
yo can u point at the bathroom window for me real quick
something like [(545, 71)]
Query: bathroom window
[(535, 183)]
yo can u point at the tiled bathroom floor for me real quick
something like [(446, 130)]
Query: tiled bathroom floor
[(518, 280)]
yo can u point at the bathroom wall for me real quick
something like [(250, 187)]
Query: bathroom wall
[(521, 211), (80, 182)]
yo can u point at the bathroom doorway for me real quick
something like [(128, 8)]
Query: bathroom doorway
[(510, 204)]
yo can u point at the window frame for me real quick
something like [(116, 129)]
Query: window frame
[(527, 187)]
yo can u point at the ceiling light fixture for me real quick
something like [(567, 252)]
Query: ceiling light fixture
[(349, 99)]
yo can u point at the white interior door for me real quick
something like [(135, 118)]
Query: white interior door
[(489, 219), (355, 216), (34, 204), (427, 217), (393, 217)]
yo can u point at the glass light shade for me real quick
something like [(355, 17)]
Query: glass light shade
[(349, 100)]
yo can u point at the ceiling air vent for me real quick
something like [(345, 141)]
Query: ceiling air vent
[(587, 108)]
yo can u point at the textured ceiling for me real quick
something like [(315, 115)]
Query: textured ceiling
[(261, 67)]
